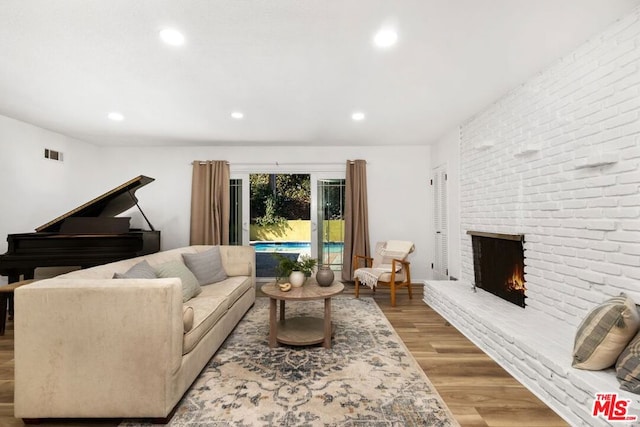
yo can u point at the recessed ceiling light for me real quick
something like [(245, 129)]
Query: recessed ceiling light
[(357, 116), (385, 38), (115, 116), (172, 37), (237, 115)]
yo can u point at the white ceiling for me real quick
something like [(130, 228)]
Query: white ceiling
[(296, 68)]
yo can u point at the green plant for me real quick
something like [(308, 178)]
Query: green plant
[(270, 217), (306, 264), (286, 265)]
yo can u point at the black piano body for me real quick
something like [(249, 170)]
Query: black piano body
[(87, 236)]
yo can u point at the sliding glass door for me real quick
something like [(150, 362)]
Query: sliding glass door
[(330, 220), (289, 213), (235, 213)]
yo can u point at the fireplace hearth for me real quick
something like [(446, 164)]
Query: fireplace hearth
[(498, 264)]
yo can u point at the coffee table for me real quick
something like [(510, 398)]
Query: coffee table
[(300, 330)]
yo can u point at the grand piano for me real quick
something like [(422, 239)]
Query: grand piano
[(89, 235)]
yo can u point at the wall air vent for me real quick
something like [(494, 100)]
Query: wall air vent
[(52, 154)]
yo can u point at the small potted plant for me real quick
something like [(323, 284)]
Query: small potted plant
[(288, 267)]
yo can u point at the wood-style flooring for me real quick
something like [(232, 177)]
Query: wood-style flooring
[(476, 389)]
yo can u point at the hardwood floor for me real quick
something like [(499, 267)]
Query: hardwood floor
[(476, 389)]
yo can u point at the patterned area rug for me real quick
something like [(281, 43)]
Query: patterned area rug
[(367, 378)]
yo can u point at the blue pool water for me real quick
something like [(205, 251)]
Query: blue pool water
[(266, 263), (303, 247)]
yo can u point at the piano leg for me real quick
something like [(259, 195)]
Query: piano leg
[(6, 301), (9, 308), (4, 298)]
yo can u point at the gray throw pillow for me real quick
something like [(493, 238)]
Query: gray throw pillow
[(628, 366), (206, 266), (605, 333), (190, 286), (141, 270)]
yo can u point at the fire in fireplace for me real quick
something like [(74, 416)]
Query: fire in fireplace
[(498, 264)]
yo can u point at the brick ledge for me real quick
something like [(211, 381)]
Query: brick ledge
[(532, 346)]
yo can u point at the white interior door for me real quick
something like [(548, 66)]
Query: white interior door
[(440, 216)]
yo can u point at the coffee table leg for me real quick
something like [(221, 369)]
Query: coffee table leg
[(273, 323), (282, 310), (327, 323)]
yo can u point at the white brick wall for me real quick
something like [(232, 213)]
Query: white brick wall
[(581, 222)]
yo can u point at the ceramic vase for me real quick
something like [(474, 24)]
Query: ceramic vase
[(296, 278), (324, 276)]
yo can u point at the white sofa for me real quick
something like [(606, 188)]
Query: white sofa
[(89, 346)]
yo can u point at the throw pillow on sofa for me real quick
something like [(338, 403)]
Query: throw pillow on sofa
[(141, 270), (604, 333), (190, 286), (206, 266), (628, 366)]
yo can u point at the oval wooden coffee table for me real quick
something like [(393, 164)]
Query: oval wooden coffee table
[(301, 330)]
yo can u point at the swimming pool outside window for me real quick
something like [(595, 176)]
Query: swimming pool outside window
[(293, 214)]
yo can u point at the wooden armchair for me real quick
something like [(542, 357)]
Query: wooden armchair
[(393, 272)]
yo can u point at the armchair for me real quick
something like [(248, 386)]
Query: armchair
[(388, 267)]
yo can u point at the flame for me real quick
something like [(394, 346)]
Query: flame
[(516, 281)]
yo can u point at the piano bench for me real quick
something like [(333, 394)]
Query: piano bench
[(6, 301)]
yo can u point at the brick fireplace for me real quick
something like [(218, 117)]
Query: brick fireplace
[(557, 160), (498, 264)]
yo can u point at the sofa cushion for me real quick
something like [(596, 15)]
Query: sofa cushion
[(231, 289), (206, 266), (605, 332), (207, 310), (141, 270), (190, 286)]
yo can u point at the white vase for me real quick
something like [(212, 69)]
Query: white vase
[(296, 278)]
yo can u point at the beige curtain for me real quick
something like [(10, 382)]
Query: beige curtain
[(210, 203), (356, 212)]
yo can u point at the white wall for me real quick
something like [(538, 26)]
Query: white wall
[(34, 190), (581, 224), (397, 182), (446, 152)]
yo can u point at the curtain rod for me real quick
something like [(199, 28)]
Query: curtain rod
[(278, 163)]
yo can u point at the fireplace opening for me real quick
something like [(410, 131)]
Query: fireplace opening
[(498, 264)]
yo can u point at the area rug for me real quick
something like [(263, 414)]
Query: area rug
[(367, 378)]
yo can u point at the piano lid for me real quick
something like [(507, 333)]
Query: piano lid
[(109, 204)]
